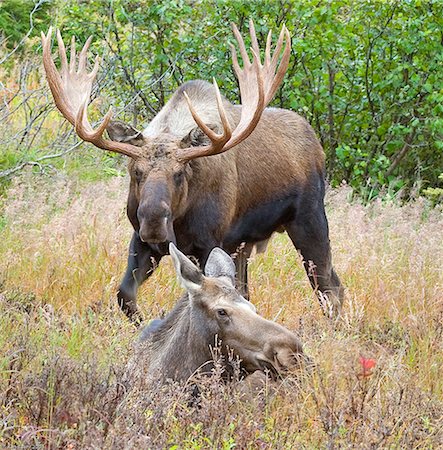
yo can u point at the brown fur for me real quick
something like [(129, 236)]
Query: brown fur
[(268, 182), (281, 151)]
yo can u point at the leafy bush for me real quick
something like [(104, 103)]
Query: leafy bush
[(17, 17), (367, 75)]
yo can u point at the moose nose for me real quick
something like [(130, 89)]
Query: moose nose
[(285, 352), (154, 231), (286, 359), (154, 223)]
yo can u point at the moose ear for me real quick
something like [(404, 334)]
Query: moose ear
[(188, 273), (220, 264), (122, 132), (196, 137)]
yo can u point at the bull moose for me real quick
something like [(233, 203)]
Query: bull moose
[(179, 345), (208, 173)]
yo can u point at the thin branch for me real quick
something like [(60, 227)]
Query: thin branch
[(31, 28), (37, 162), (402, 153)]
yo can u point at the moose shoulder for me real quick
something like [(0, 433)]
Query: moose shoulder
[(212, 311), (207, 173)]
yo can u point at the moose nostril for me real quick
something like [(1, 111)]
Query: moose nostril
[(288, 359)]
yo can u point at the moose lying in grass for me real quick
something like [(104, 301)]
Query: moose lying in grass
[(212, 310), (206, 173)]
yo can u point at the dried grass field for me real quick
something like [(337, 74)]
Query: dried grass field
[(64, 342)]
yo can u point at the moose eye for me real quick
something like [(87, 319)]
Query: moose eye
[(178, 178), (222, 312), (138, 175)]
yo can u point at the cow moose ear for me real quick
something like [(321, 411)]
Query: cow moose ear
[(122, 132), (188, 274), (220, 264), (196, 137)]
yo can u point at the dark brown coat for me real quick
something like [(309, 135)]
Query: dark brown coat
[(274, 180)]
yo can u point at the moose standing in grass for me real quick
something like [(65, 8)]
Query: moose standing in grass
[(242, 173)]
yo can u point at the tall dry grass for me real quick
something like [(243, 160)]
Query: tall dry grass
[(65, 343)]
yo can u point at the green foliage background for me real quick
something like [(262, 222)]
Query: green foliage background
[(366, 74)]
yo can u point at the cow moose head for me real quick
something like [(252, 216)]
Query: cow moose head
[(213, 310)]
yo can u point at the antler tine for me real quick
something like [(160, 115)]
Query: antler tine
[(268, 48), (210, 133), (235, 61), (71, 90), (278, 47), (83, 56), (241, 44), (222, 111), (62, 52), (254, 41), (217, 140), (258, 84), (284, 62), (54, 78), (91, 135), (72, 56)]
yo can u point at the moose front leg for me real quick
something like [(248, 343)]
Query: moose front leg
[(241, 260), (310, 235), (142, 261)]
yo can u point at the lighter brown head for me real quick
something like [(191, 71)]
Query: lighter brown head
[(217, 309)]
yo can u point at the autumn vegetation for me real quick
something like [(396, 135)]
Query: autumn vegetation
[(368, 77), (65, 343)]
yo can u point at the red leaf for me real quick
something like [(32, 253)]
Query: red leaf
[(367, 364)]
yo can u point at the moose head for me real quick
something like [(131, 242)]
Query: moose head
[(212, 309)]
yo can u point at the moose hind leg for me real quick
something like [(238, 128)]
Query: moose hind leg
[(142, 261), (241, 260), (310, 234)]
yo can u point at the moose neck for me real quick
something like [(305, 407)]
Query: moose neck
[(181, 343)]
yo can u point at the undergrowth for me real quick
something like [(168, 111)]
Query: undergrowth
[(65, 344)]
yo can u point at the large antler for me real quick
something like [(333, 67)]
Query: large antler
[(258, 84), (71, 90)]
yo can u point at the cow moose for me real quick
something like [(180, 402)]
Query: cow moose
[(211, 311), (208, 173)]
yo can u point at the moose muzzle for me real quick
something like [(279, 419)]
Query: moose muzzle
[(154, 214), (156, 228)]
